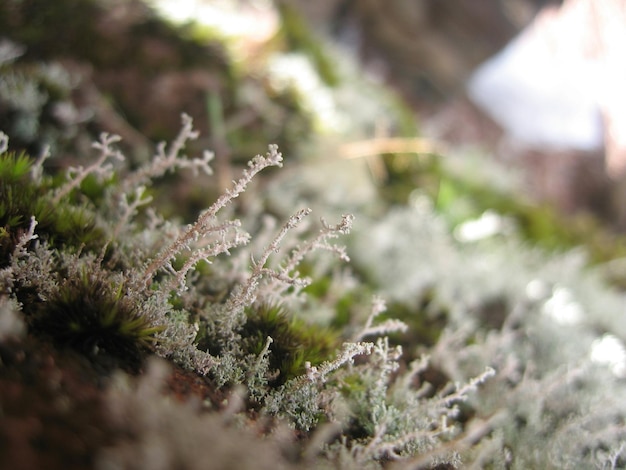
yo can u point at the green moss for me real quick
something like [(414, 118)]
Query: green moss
[(30, 22), (90, 313), (407, 172), (61, 225), (543, 225), (459, 198), (294, 341), (426, 322), (13, 168)]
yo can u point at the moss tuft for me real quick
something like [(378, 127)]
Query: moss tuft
[(294, 341), (88, 313), (61, 225)]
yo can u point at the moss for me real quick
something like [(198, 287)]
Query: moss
[(31, 21), (135, 54), (426, 322), (14, 167), (84, 36), (543, 225), (61, 225), (407, 172), (459, 198), (131, 48), (90, 313), (294, 341)]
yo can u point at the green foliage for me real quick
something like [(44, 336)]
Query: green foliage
[(459, 197), (294, 341), (65, 224), (13, 168), (458, 306), (90, 313), (425, 322)]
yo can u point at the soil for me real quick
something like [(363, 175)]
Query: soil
[(52, 404)]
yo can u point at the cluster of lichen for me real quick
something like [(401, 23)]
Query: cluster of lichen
[(83, 309), (86, 296)]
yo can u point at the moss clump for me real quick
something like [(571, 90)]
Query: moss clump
[(60, 225), (90, 314), (425, 323), (294, 341)]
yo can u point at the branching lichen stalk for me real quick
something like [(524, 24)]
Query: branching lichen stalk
[(204, 225)]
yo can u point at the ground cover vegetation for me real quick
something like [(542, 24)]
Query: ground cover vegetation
[(163, 306)]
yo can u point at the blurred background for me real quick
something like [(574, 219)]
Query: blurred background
[(536, 83), (532, 86)]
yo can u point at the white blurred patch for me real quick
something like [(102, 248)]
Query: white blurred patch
[(11, 322), (296, 71), (538, 102), (487, 225), (610, 351), (563, 308), (255, 20), (547, 87), (537, 290)]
